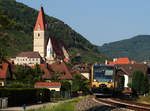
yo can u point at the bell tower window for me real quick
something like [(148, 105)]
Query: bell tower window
[(39, 27)]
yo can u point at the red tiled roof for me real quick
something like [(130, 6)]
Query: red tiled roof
[(40, 20), (60, 67), (121, 61), (29, 54), (130, 68), (3, 70), (66, 59), (47, 84), (47, 71)]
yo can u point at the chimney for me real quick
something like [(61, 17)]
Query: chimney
[(114, 59)]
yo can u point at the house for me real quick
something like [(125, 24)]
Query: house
[(5, 73), (52, 86), (59, 68), (28, 58), (81, 69), (127, 71), (119, 61)]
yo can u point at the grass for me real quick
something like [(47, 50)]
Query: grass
[(142, 99), (66, 106)]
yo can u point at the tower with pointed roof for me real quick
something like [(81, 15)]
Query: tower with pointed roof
[(40, 34)]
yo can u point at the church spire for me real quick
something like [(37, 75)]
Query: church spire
[(40, 23)]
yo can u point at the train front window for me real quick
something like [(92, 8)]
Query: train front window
[(103, 74)]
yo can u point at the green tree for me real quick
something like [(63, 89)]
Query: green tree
[(27, 75), (65, 85), (55, 77), (37, 74), (145, 87), (3, 44), (80, 84), (139, 82)]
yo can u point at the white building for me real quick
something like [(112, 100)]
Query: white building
[(28, 58)]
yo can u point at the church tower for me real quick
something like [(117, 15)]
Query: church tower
[(40, 34)]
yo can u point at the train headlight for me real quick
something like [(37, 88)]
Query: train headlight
[(94, 80)]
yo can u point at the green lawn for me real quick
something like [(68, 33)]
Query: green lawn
[(142, 99), (67, 106)]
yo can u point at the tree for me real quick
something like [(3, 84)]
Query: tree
[(55, 77), (37, 74), (27, 75), (80, 84), (139, 82), (145, 87), (4, 43), (65, 85)]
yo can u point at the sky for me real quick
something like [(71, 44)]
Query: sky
[(100, 21)]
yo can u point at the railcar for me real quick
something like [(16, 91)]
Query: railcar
[(103, 80)]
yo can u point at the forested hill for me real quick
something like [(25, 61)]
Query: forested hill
[(136, 48), (23, 18)]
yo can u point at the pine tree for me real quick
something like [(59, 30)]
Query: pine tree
[(139, 82)]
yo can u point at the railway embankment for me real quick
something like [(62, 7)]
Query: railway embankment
[(92, 104)]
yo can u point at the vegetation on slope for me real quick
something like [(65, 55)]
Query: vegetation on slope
[(136, 48), (25, 18)]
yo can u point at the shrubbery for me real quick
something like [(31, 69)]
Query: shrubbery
[(20, 96), (140, 84)]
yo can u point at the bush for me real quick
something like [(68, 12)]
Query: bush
[(20, 96), (140, 83)]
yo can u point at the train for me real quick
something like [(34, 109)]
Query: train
[(103, 80)]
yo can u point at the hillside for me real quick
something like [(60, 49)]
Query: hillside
[(21, 37), (136, 48)]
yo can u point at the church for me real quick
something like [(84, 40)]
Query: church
[(49, 48)]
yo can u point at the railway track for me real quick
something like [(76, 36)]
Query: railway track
[(124, 104)]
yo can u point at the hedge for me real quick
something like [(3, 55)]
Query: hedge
[(20, 96)]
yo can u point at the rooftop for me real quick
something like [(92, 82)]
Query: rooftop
[(29, 54), (47, 84)]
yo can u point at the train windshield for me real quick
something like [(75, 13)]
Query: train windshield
[(103, 73)]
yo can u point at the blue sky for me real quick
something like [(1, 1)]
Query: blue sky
[(100, 21)]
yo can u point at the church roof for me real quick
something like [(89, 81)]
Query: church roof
[(57, 44), (40, 23)]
